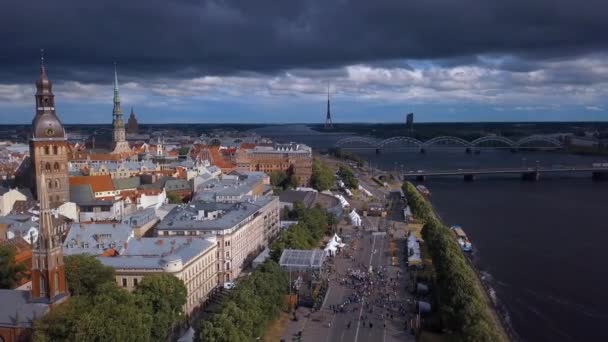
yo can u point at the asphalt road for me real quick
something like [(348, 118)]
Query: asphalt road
[(325, 325)]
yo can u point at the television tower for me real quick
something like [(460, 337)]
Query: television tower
[(328, 123)]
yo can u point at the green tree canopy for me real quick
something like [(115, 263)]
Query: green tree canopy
[(10, 271), (112, 315), (85, 274), (462, 303), (322, 176), (165, 295), (348, 177), (174, 199), (244, 315)]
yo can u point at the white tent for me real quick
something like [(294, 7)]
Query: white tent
[(365, 191), (355, 219), (413, 251), (333, 244), (343, 201)]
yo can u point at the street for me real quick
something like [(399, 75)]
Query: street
[(360, 305)]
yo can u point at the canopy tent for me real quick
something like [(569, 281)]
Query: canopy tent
[(355, 219), (333, 245), (413, 251)]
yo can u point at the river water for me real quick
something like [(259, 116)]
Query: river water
[(542, 244)]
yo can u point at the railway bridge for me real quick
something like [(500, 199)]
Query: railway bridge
[(527, 173), (490, 141)]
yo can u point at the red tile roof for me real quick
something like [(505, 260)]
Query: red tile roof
[(97, 183)]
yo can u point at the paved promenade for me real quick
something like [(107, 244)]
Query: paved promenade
[(373, 308)]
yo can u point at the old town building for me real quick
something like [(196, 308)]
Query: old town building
[(49, 144)]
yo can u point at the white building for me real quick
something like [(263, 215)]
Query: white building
[(242, 229), (191, 259)]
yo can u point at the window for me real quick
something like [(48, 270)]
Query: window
[(56, 167), (57, 186), (135, 282), (55, 150), (124, 282), (47, 150), (47, 166)]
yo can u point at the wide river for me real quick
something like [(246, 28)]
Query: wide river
[(542, 244)]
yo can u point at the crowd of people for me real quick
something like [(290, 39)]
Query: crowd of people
[(374, 296)]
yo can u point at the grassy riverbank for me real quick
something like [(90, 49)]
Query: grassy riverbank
[(465, 308)]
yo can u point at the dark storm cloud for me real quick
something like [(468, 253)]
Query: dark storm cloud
[(181, 39)]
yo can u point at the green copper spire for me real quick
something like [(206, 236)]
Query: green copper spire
[(117, 110)]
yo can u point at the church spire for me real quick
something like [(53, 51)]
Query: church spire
[(42, 69), (48, 277), (46, 224), (117, 110)]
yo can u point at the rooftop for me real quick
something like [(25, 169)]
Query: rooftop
[(213, 189), (97, 183), (95, 238), (302, 259), (16, 303), (211, 216), (152, 253)]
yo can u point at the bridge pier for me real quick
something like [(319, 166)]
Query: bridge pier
[(599, 175), (420, 178), (531, 176), (469, 177)]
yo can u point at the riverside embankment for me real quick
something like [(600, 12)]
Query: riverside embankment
[(465, 307)]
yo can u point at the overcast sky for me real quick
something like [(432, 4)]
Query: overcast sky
[(270, 61)]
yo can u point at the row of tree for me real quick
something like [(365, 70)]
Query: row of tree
[(348, 177), (99, 310), (419, 206), (312, 224), (245, 314), (463, 306), (322, 177)]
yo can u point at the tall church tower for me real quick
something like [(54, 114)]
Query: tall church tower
[(49, 144), (119, 137), (48, 275)]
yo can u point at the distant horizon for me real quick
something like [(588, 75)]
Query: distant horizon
[(321, 123)]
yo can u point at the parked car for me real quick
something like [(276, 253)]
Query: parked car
[(229, 285)]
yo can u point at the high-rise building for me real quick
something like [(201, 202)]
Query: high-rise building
[(120, 144), (409, 121), (49, 144), (132, 126)]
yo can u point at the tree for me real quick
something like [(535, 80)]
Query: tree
[(174, 198), (278, 178), (348, 177), (85, 274), (184, 150), (10, 271), (322, 177), (245, 313), (165, 295), (112, 315)]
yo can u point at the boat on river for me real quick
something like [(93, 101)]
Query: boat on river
[(462, 239), (423, 190)]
